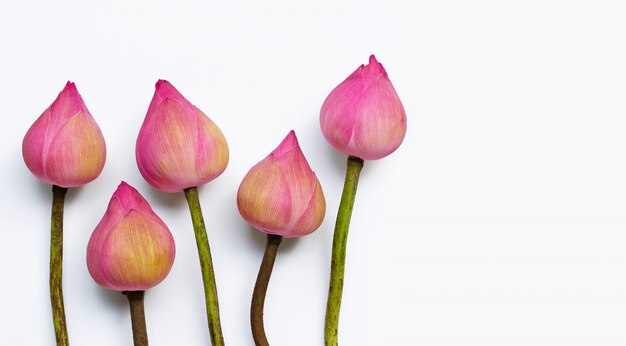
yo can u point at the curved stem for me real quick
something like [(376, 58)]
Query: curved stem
[(260, 289), (137, 317), (56, 265), (206, 266), (338, 261)]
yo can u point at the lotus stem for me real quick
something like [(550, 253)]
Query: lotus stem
[(56, 266), (338, 259), (206, 266), (260, 289)]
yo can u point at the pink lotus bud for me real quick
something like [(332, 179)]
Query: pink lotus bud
[(178, 146), (363, 115), (131, 249), (281, 194), (64, 146)]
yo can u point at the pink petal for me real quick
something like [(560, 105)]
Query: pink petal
[(312, 217), (165, 148), (76, 153), (211, 150), (263, 199), (165, 90), (338, 112), (130, 199), (381, 121), (135, 254), (299, 177), (34, 144), (289, 143), (65, 106), (39, 138), (371, 72)]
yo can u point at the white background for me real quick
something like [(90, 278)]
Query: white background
[(501, 220)]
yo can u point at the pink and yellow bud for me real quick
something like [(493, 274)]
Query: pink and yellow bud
[(65, 146), (131, 249), (281, 194), (178, 145), (363, 116)]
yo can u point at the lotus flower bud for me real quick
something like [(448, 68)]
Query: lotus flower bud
[(281, 195), (178, 146), (64, 146), (363, 115), (131, 249)]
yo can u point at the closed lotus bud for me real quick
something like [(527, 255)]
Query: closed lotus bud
[(178, 146), (64, 146), (363, 116), (131, 249), (281, 195)]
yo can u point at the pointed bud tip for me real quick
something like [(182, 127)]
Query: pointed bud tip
[(160, 83), (166, 90), (71, 87), (124, 191), (130, 199), (288, 144), (124, 185), (291, 137), (374, 66)]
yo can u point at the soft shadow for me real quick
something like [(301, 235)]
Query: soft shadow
[(259, 241), (289, 244), (205, 189), (72, 194), (169, 200), (337, 157), (44, 192), (312, 130), (340, 159), (113, 298), (257, 238)]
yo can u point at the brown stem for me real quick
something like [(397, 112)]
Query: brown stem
[(260, 289), (56, 266), (137, 317)]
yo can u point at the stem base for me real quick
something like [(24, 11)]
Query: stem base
[(137, 317)]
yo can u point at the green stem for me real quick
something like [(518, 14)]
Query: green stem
[(337, 266), (260, 289), (56, 265), (137, 317), (206, 266)]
